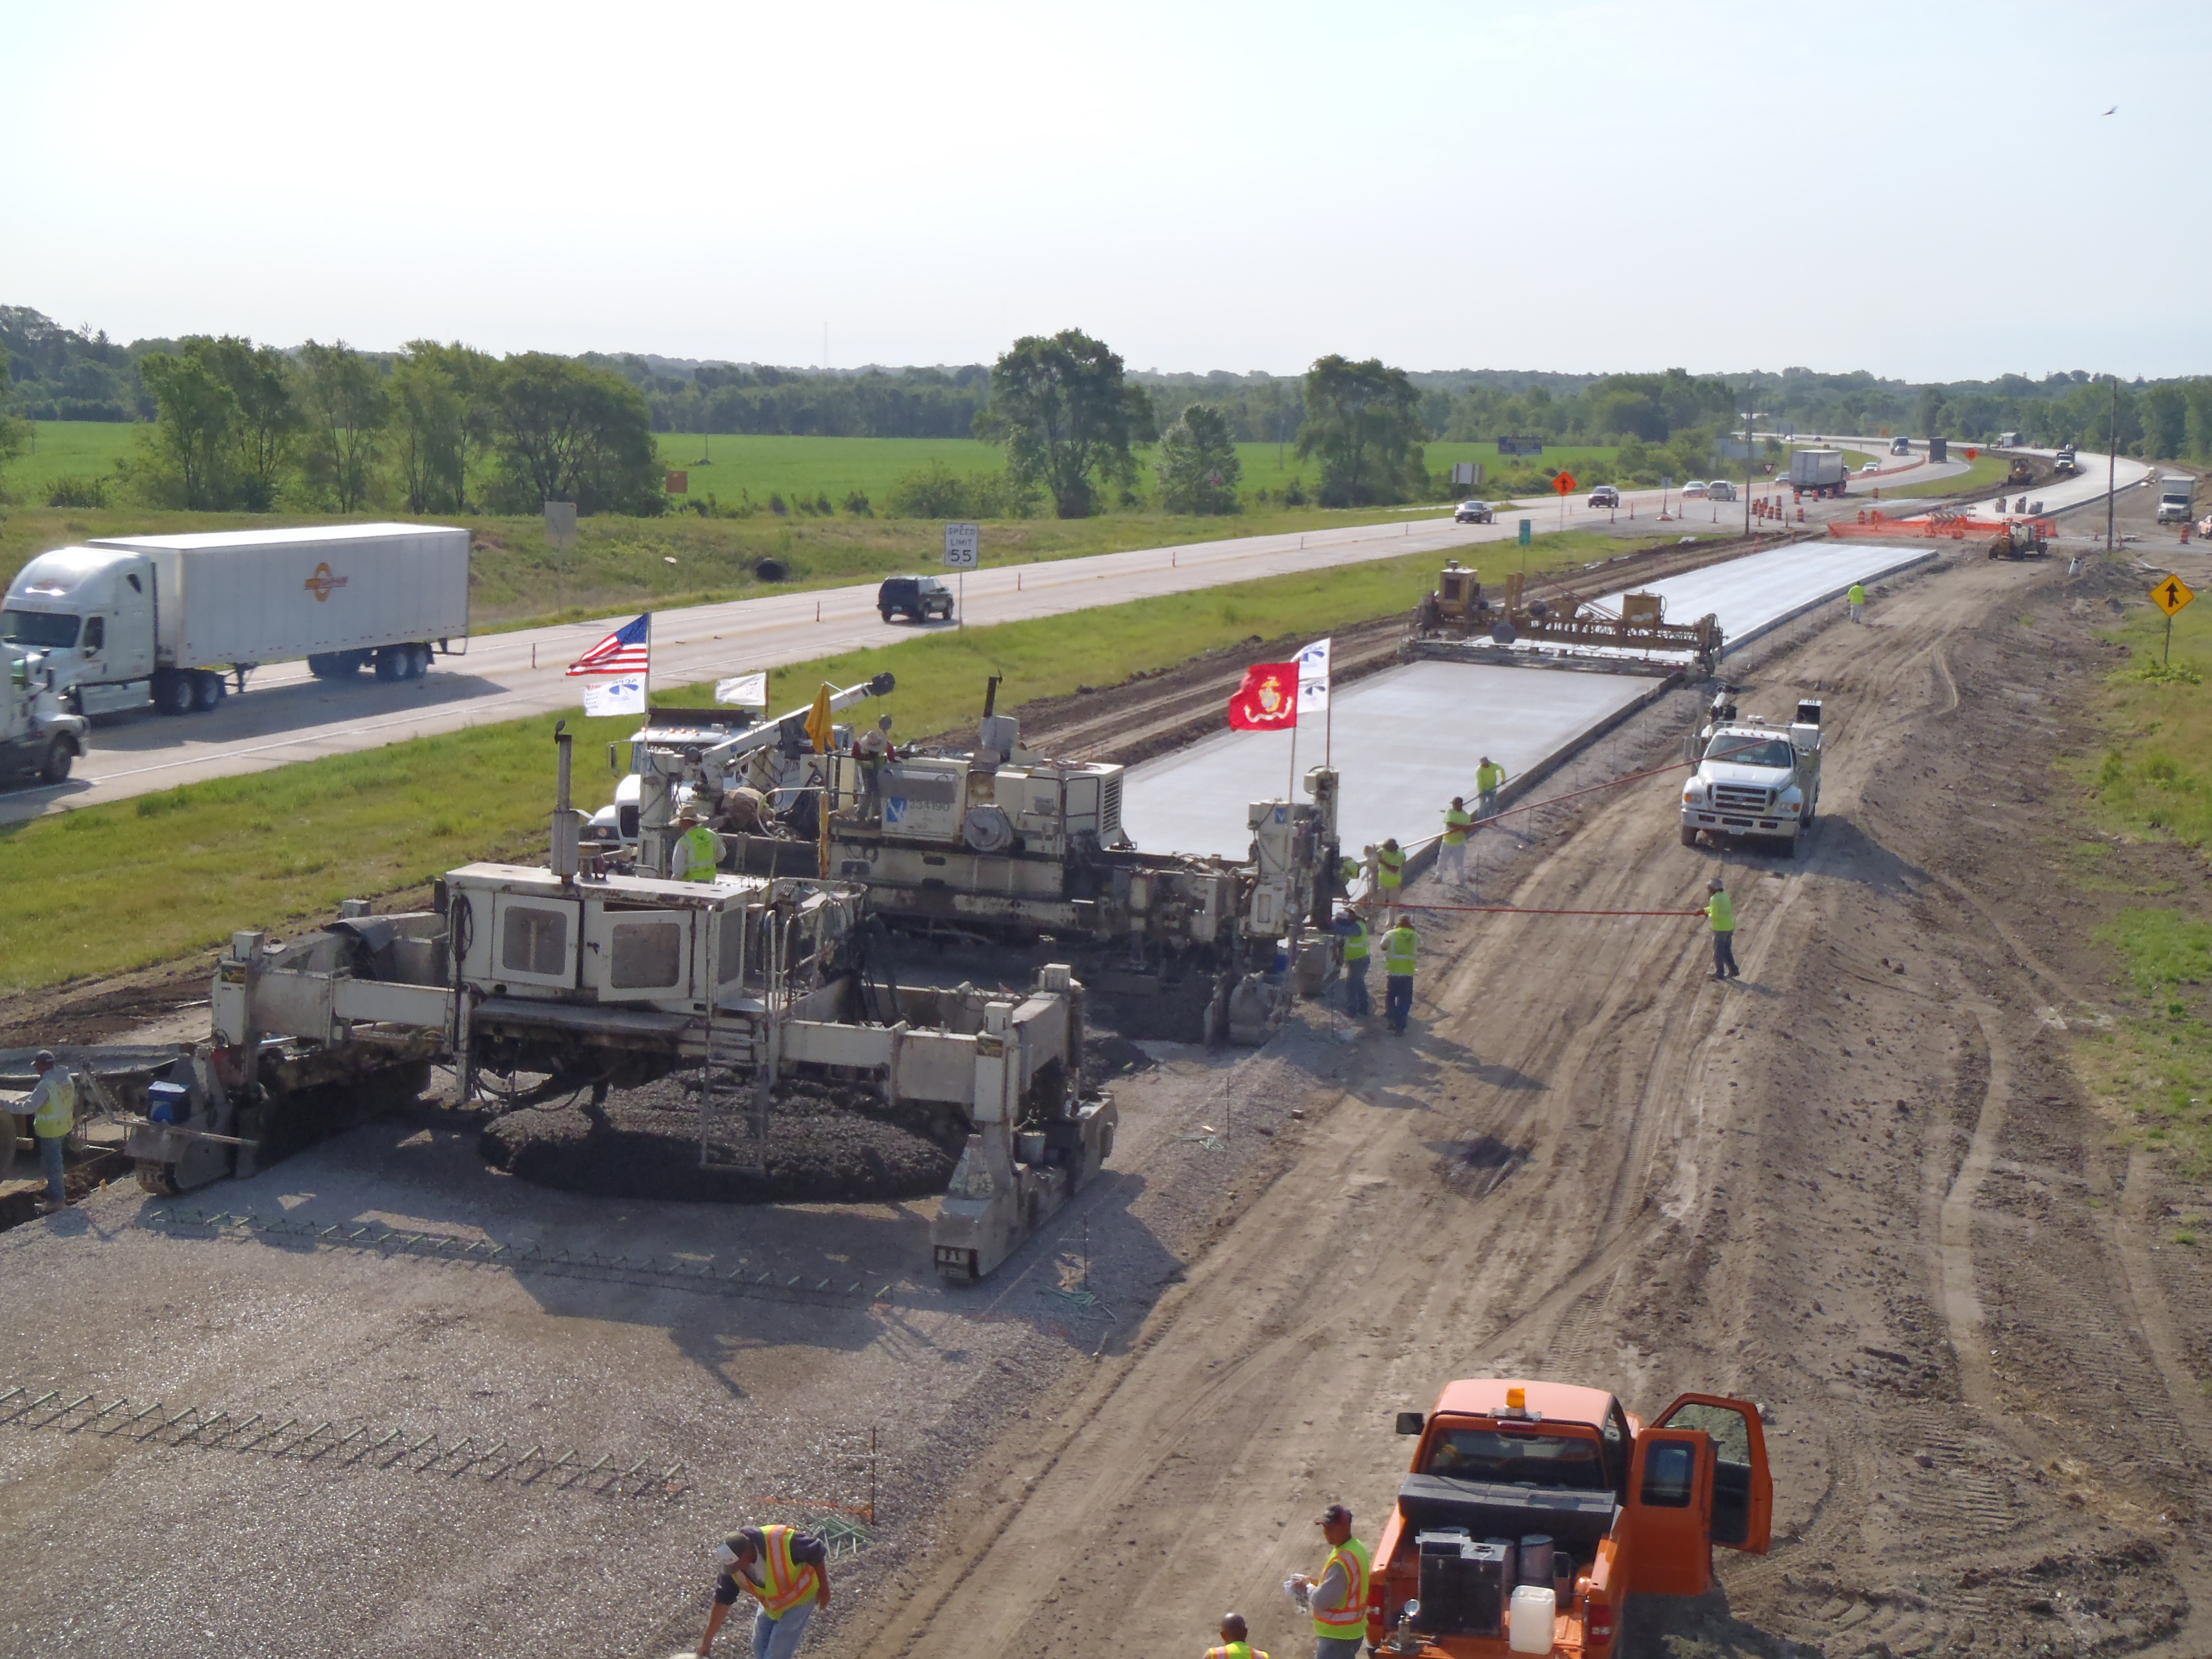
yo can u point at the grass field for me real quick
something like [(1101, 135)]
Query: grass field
[(1981, 472), (63, 449), (272, 849)]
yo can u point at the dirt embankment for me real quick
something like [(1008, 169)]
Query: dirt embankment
[(1861, 1185)]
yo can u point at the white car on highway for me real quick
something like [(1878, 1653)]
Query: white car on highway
[(1720, 489), (1871, 466), (1473, 513), (1693, 491)]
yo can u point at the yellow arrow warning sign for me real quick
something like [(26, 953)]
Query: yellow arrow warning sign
[(2171, 594)]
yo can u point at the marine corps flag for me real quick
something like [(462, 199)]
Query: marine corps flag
[(1268, 699)]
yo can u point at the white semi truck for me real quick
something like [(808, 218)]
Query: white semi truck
[(1818, 471), (129, 620), (1755, 779), (36, 737)]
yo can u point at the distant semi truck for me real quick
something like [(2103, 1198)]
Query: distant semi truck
[(1818, 471), (131, 620)]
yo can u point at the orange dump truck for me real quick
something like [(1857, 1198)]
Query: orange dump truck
[(1535, 1510)]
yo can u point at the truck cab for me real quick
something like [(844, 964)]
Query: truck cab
[(37, 736), (1531, 1512), (1755, 779), (91, 611)]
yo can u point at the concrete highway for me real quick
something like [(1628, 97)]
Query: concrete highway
[(287, 715)]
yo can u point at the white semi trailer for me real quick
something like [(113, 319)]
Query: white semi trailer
[(129, 620), (1818, 471)]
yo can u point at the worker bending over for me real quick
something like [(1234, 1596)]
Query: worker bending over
[(1720, 909), (1338, 1599), (1489, 779), (1398, 946), (697, 850), (786, 1571), (1351, 928), (1451, 852), (1235, 1640)]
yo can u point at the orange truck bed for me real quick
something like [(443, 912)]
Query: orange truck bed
[(1557, 1491)]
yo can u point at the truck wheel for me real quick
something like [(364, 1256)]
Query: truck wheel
[(418, 661), (390, 664), (60, 754), (1689, 838), (206, 688), (172, 692)]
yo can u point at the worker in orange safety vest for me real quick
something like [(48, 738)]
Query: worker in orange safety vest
[(1235, 1640), (1338, 1599), (786, 1571)]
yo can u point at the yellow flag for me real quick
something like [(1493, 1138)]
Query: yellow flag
[(819, 726)]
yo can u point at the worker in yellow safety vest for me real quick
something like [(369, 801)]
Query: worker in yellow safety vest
[(1720, 910), (697, 850), (1352, 927), (51, 1108), (1338, 1599), (1856, 599), (1398, 946), (1235, 1640), (1489, 778), (786, 1571), (1451, 852), (1389, 871)]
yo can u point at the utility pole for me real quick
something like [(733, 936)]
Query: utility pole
[(1749, 416), (2113, 468)]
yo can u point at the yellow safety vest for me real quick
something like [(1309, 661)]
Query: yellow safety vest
[(57, 1113), (1721, 910), (789, 1583), (1398, 946), (703, 848), (1856, 596), (1355, 942), (1346, 1621), (1455, 823), (1487, 778), (1349, 869), (1236, 1651), (1390, 867)]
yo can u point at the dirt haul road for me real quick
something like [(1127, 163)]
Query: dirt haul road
[(1871, 1199)]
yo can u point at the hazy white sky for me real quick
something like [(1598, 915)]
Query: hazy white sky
[(1929, 190)]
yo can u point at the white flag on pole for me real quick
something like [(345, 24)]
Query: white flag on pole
[(745, 690), (1313, 678), (623, 695)]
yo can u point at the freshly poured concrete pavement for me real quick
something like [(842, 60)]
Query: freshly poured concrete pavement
[(1751, 595), (1405, 741)]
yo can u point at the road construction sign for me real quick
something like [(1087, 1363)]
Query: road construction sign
[(1563, 483), (2171, 594)]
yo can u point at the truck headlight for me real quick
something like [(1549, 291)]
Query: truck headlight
[(1792, 801), (1694, 794)]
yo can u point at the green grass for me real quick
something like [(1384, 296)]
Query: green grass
[(278, 849), (61, 449), (1981, 472)]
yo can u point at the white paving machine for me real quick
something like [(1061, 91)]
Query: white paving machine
[(585, 977)]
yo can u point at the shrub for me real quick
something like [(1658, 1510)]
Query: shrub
[(856, 503), (936, 491), (77, 491), (775, 504)]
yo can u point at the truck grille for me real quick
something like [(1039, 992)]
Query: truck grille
[(1731, 797), (1109, 808)]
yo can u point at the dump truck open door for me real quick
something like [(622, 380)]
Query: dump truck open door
[(1743, 1489)]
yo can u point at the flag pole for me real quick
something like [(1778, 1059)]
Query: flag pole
[(1290, 794)]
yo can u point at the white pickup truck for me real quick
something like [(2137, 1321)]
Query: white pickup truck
[(1756, 779), (37, 736)]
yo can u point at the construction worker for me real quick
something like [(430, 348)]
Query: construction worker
[(1370, 865), (697, 850), (874, 752), (786, 1570), (1451, 852), (1489, 778), (1338, 1600), (1720, 910), (51, 1108), (1352, 927), (1856, 599), (1390, 871), (1398, 946), (1235, 1640)]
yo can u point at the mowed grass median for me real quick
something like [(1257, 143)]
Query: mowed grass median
[(108, 888)]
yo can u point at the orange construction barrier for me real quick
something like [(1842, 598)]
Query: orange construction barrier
[(1935, 526)]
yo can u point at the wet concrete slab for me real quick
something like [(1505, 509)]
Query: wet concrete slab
[(1405, 741)]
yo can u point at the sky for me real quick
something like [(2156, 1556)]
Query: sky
[(1931, 191)]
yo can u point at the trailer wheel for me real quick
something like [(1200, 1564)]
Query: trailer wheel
[(172, 692), (418, 661), (208, 689), (392, 663), (60, 754)]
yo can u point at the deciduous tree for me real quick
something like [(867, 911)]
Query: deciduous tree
[(444, 398), (1198, 465), (346, 407), (1364, 421), (188, 448), (570, 433), (1067, 418)]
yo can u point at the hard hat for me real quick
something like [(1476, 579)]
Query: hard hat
[(1714, 885)]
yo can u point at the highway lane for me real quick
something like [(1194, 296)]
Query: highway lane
[(287, 715)]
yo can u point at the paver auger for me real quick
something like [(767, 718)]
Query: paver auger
[(1458, 621)]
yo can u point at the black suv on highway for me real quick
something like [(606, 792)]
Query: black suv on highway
[(918, 596)]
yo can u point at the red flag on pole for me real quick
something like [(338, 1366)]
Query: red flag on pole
[(1268, 699)]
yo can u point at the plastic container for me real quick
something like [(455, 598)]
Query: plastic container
[(1533, 1619), (1535, 1560)]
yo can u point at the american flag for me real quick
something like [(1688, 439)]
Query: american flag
[(628, 650)]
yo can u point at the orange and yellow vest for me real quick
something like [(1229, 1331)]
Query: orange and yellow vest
[(1236, 1651), (785, 1582), (1346, 1621)]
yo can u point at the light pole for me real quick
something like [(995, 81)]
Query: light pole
[(1750, 417)]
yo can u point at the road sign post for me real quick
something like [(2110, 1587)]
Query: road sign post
[(2169, 596), (964, 552)]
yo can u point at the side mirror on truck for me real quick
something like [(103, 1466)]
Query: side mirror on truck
[(1411, 1422)]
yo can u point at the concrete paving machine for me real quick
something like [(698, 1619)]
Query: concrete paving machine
[(585, 978), (1458, 622)]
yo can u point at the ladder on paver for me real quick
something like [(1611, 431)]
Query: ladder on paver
[(733, 1096)]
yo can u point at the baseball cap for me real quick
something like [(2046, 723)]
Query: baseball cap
[(44, 1057)]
